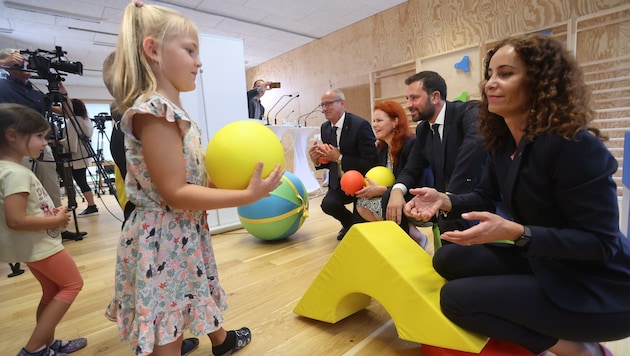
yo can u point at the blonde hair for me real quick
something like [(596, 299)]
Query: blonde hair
[(133, 75), (7, 52), (108, 72)]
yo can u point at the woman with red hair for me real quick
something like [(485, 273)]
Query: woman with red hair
[(394, 139)]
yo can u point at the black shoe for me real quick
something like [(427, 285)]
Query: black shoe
[(234, 341), (89, 211), (69, 235), (82, 233), (341, 234), (189, 345)]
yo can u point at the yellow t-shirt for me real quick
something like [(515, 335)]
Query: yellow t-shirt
[(121, 194)]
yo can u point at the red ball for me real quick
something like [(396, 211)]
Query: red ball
[(352, 181)]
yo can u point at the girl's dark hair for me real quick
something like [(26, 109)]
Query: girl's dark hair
[(22, 119), (560, 100), (78, 107)]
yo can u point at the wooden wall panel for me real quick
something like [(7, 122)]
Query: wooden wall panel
[(415, 29)]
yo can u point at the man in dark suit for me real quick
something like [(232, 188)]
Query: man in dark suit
[(447, 141), (348, 143), (254, 106)]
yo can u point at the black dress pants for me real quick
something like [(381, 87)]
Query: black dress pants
[(492, 291)]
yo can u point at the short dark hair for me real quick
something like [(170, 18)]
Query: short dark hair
[(431, 81), (22, 119)]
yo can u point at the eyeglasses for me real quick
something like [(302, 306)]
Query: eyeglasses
[(329, 103)]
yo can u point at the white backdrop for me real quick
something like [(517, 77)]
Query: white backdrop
[(220, 98)]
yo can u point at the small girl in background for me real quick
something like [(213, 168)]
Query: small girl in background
[(30, 228), (166, 274)]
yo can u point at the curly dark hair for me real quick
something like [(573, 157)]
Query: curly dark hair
[(401, 131), (560, 101)]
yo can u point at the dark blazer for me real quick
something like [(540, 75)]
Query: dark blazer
[(564, 192), (252, 102), (357, 145), (461, 142), (403, 155)]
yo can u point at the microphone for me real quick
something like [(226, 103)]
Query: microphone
[(286, 117), (275, 121), (305, 116), (277, 102)]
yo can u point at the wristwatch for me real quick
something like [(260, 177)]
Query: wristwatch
[(525, 239), (339, 159)]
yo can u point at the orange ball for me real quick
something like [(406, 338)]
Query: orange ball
[(323, 160), (352, 181)]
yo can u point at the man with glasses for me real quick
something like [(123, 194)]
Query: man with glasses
[(447, 141), (348, 143)]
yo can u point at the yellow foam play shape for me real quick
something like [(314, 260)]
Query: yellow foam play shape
[(379, 260)]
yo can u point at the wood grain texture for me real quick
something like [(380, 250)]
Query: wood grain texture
[(264, 282)]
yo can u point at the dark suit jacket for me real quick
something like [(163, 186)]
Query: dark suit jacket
[(357, 145), (564, 191), (463, 155), (252, 103), (403, 155)]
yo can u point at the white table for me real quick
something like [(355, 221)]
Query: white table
[(301, 166)]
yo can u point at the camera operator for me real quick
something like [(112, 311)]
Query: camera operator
[(255, 108), (79, 133), (16, 87)]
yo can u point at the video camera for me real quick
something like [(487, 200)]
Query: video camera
[(42, 61), (99, 120)]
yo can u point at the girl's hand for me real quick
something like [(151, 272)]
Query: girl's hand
[(260, 187), (62, 216)]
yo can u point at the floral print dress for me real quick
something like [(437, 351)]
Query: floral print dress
[(166, 276)]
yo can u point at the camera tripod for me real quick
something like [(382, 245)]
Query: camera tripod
[(99, 123), (63, 158)]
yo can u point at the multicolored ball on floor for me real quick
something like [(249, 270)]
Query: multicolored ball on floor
[(279, 215), (234, 151)]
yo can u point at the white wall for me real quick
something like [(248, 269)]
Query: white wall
[(220, 98)]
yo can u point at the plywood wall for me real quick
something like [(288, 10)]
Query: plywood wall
[(415, 29)]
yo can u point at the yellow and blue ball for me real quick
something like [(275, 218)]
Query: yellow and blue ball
[(236, 148), (279, 215)]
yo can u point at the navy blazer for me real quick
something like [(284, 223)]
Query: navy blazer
[(564, 192), (403, 155), (357, 144), (463, 155)]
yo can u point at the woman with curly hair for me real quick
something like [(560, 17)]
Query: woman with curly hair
[(562, 281)]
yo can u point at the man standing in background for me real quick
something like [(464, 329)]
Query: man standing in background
[(254, 106)]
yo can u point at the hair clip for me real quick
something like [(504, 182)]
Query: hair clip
[(138, 3)]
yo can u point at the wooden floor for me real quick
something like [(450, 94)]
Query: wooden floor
[(264, 282)]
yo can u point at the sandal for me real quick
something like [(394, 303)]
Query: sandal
[(69, 346)]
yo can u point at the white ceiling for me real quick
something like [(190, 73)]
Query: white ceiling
[(87, 29)]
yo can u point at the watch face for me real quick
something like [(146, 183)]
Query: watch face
[(522, 242)]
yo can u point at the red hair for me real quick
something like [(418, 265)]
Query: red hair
[(401, 130)]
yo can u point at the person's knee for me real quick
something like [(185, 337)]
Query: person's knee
[(443, 261), (69, 292), (449, 302), (328, 205)]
